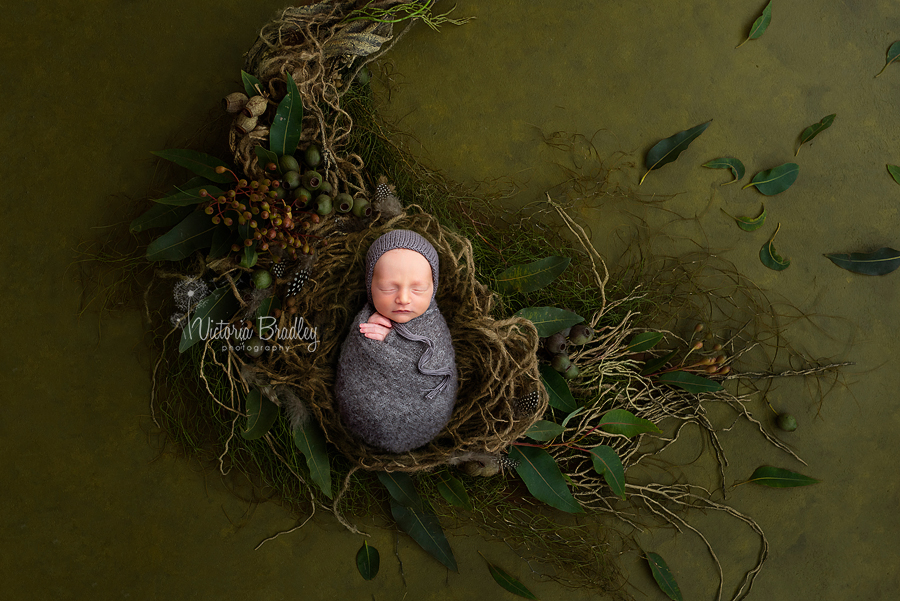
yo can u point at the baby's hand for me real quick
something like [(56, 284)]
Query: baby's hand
[(377, 327)]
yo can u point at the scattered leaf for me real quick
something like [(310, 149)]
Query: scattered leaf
[(189, 196), (608, 464), (261, 414), (367, 561), (663, 576), (759, 25), (879, 262), (401, 488), (541, 475), (284, 133), (565, 422), (666, 151), (687, 381), (544, 430), (557, 389), (813, 130), (218, 306), (249, 256), (893, 54), (776, 180), (644, 342), (509, 583), (777, 477), (750, 224), (310, 439), (658, 363), (159, 216), (622, 421), (770, 258), (193, 233), (736, 166), (200, 163), (453, 491), (533, 276), (250, 83), (424, 528), (894, 170), (549, 320)]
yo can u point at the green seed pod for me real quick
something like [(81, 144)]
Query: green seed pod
[(323, 204), (361, 208), (262, 279), (555, 343), (312, 180), (326, 187), (292, 179), (312, 156), (581, 334), (303, 196), (364, 76), (571, 372), (344, 202), (560, 362), (280, 192), (288, 163), (254, 347), (786, 422)]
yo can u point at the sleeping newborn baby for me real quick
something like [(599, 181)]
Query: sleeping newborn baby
[(396, 380)]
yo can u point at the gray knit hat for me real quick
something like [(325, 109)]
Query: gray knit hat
[(401, 239)]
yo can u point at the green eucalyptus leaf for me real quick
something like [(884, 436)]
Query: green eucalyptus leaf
[(309, 438), (687, 381), (654, 365), (544, 430), (401, 488), (736, 166), (424, 528), (770, 257), (284, 134), (190, 196), (222, 240), (624, 422), (266, 307), (193, 233), (557, 389), (644, 342), (565, 422), (200, 163), (879, 262), (814, 130), (663, 576), (750, 224), (666, 151), (249, 256), (220, 305), (759, 25), (533, 276), (541, 475), (549, 320), (250, 83), (159, 216), (776, 180), (509, 583), (367, 561), (265, 156), (777, 477), (893, 54), (453, 491), (261, 414), (894, 170), (608, 464)]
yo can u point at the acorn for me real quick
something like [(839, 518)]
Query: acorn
[(323, 204), (312, 180), (244, 124), (255, 107), (303, 196), (786, 422), (344, 202), (555, 343), (288, 163), (361, 208), (581, 334), (292, 179), (254, 347), (312, 156), (234, 102), (560, 362), (262, 279), (571, 371), (364, 76)]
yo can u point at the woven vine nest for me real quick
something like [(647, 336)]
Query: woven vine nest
[(496, 359)]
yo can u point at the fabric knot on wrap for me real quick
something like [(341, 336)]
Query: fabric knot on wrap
[(446, 372)]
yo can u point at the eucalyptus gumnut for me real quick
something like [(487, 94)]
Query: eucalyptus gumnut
[(303, 196), (560, 362), (312, 180), (325, 187), (254, 347), (344, 202), (364, 76), (262, 279), (288, 163), (323, 204), (571, 372), (581, 334), (312, 156), (361, 208), (292, 179), (786, 422), (555, 343)]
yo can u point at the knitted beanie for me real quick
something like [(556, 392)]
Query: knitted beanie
[(401, 239)]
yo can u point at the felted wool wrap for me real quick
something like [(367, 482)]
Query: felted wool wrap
[(397, 394)]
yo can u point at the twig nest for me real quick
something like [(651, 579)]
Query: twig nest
[(235, 102), (255, 107), (245, 124)]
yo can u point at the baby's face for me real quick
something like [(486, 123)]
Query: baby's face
[(402, 285)]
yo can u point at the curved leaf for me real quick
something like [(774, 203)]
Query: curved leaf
[(261, 414), (644, 342), (658, 363), (549, 320), (666, 151), (200, 163), (266, 307), (893, 54), (608, 464), (453, 491), (777, 477), (736, 166), (311, 442), (159, 216), (770, 257), (249, 256), (284, 134), (894, 170), (544, 430), (663, 576), (750, 224), (424, 528), (193, 233), (509, 583), (218, 306), (557, 389), (565, 422), (879, 262), (542, 477), (759, 25), (221, 242), (622, 421), (813, 130), (367, 561), (776, 180), (250, 83), (533, 276), (265, 156), (189, 196), (401, 488), (687, 381)]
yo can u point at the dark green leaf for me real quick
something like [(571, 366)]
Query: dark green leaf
[(249, 256), (533, 276), (401, 488), (544, 430), (750, 224), (221, 242), (666, 151), (549, 320), (893, 54), (200, 163), (453, 491), (622, 421), (160, 216), (509, 583), (882, 261), (284, 134), (776, 180), (736, 166), (367, 561), (654, 365), (250, 84), (193, 233), (644, 342), (813, 130), (759, 25), (691, 382), (557, 389), (770, 257), (218, 306), (608, 464), (894, 170), (189, 196), (663, 576), (777, 477), (311, 441), (264, 326), (261, 414), (542, 477), (424, 528), (265, 156)]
